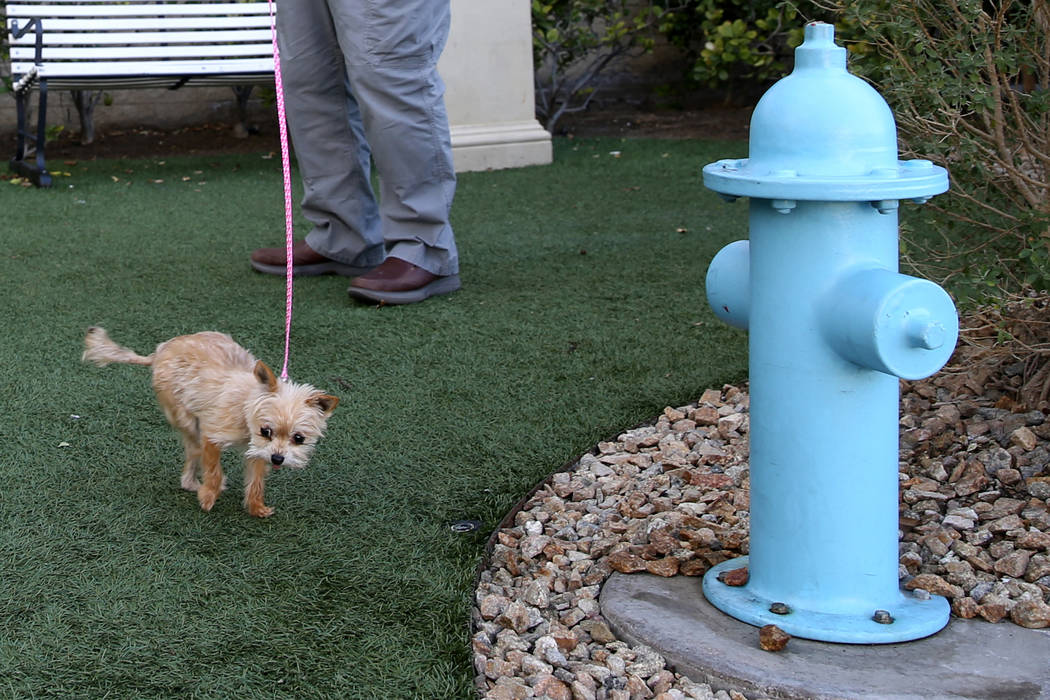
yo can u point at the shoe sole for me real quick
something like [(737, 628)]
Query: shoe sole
[(326, 268), (442, 285)]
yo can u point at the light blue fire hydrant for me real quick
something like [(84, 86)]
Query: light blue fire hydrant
[(832, 326)]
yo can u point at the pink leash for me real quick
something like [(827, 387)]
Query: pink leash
[(287, 170)]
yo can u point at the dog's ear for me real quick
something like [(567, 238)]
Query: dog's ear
[(265, 375), (324, 402)]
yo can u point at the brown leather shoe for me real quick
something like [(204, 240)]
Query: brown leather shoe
[(397, 281), (306, 262)]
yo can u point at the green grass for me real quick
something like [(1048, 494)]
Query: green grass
[(582, 313)]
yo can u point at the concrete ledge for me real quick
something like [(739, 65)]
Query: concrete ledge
[(496, 146), (968, 659)]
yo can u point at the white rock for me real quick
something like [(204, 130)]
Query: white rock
[(547, 649), (537, 593)]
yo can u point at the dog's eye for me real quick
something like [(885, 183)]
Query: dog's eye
[(298, 439), (265, 432)]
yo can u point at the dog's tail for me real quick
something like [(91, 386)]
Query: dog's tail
[(100, 350)]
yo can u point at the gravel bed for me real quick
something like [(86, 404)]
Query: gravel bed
[(671, 498)]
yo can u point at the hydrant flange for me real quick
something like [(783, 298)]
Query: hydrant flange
[(910, 179)]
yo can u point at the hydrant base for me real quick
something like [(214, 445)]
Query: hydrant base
[(904, 618), (967, 659)]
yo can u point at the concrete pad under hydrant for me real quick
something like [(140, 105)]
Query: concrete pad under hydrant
[(966, 659)]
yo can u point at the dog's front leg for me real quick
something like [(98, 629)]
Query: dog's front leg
[(192, 445), (255, 470), (211, 474)]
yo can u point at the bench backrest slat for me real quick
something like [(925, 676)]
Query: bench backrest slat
[(124, 2), (157, 9), (103, 73), (132, 82), (114, 54), (99, 70), (256, 36), (118, 25)]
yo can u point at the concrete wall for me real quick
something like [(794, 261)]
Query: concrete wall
[(487, 68)]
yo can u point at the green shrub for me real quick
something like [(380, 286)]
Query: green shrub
[(575, 41), (734, 41), (968, 84)]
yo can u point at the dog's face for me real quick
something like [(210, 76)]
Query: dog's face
[(286, 422)]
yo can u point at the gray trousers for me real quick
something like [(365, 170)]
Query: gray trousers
[(361, 83)]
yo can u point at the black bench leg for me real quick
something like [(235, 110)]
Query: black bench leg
[(242, 128), (36, 173)]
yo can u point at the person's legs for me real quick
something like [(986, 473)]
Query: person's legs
[(325, 125), (391, 49), (360, 212)]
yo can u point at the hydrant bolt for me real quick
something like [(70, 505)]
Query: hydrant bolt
[(927, 334), (883, 617), (886, 206)]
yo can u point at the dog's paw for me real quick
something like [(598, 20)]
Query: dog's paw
[(190, 484), (259, 510), (206, 498)]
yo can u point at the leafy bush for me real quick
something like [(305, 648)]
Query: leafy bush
[(574, 41), (735, 40), (969, 84)]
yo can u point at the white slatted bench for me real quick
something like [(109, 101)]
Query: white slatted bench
[(118, 44)]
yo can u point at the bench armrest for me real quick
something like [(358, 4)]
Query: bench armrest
[(17, 32)]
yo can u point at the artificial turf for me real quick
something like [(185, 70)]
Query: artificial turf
[(582, 313)]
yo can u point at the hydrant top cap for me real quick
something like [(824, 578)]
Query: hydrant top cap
[(822, 133), (819, 49), (822, 120)]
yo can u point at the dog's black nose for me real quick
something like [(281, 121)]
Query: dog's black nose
[(277, 459)]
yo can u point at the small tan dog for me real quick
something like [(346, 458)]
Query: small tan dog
[(218, 396)]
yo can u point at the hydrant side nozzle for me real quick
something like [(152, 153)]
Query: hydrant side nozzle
[(728, 284), (888, 322)]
